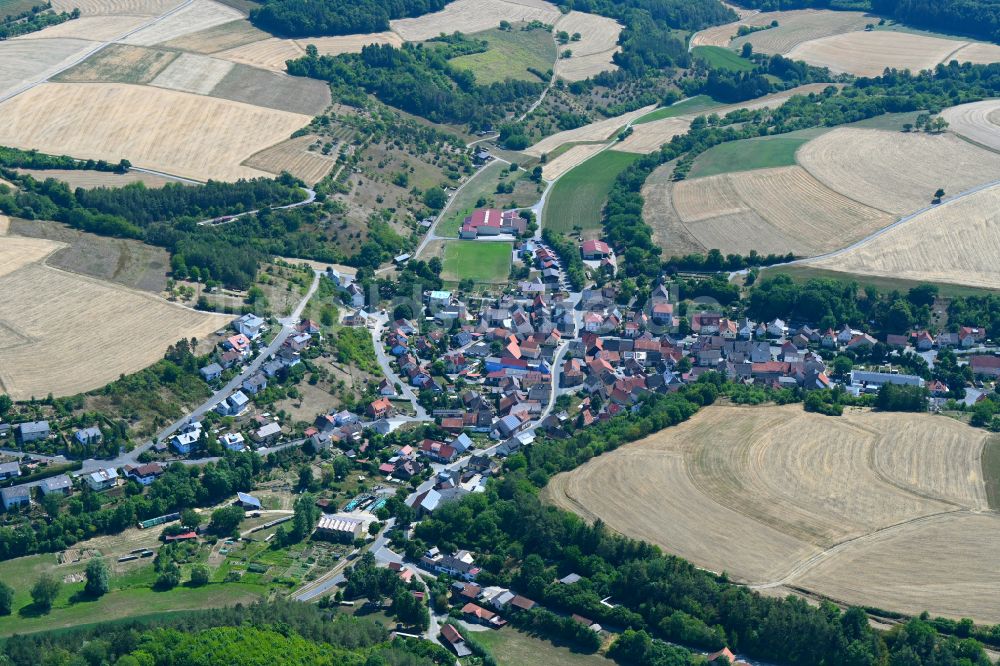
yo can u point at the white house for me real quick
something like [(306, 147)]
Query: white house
[(249, 325), (776, 328), (88, 436), (103, 479), (234, 404), (357, 295)]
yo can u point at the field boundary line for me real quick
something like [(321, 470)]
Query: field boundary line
[(813, 561)]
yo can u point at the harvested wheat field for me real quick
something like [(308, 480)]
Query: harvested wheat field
[(97, 28), (218, 38), (602, 130), (894, 171), (978, 53), (119, 63), (669, 231), (592, 53), (956, 242), (798, 27), (777, 496), (648, 137), (978, 122), (26, 61), (268, 53), (116, 7), (571, 158), (473, 16), (294, 157), (870, 570), (178, 133), (72, 333), (781, 209), (869, 53), (197, 16), (90, 179), (193, 73), (17, 252)]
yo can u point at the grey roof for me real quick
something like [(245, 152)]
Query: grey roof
[(56, 483), (10, 468), (248, 499), (15, 492), (211, 369), (859, 376), (34, 426), (570, 579)]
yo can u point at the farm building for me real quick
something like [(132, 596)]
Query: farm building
[(339, 528), (15, 496), (248, 502), (593, 250), (864, 380), (492, 222), (450, 636)]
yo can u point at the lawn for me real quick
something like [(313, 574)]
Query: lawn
[(577, 199), (482, 191), (511, 647), (510, 54), (125, 603), (691, 105), (722, 58), (749, 154), (482, 261)]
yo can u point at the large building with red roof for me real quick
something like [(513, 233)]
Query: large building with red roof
[(492, 222)]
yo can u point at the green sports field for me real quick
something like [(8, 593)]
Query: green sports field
[(576, 200), (482, 261)]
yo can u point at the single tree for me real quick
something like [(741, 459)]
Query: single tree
[(98, 578), (190, 518), (226, 520), (938, 195), (44, 592), (199, 575)]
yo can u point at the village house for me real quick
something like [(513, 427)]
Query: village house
[(255, 383), (10, 470), (15, 496), (453, 639), (211, 372), (985, 366), (266, 434), (187, 438), (88, 436), (144, 474), (594, 250), (102, 479), (56, 485), (249, 325), (33, 431), (380, 408), (240, 344), (233, 441), (234, 405)]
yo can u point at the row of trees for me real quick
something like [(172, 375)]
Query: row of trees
[(303, 18)]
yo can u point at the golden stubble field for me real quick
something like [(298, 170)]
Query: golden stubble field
[(862, 508), (978, 122), (64, 333), (470, 16), (175, 132), (957, 242)]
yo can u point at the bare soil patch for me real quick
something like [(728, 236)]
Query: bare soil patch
[(177, 133), (121, 260), (294, 157), (957, 242), (193, 73), (978, 122), (895, 171), (197, 16), (780, 495), (474, 16), (119, 63), (271, 90)]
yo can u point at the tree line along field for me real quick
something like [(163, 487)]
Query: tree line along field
[(861, 508), (64, 333)]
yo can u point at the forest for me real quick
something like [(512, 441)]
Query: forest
[(893, 92), (33, 20), (303, 18), (419, 80)]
